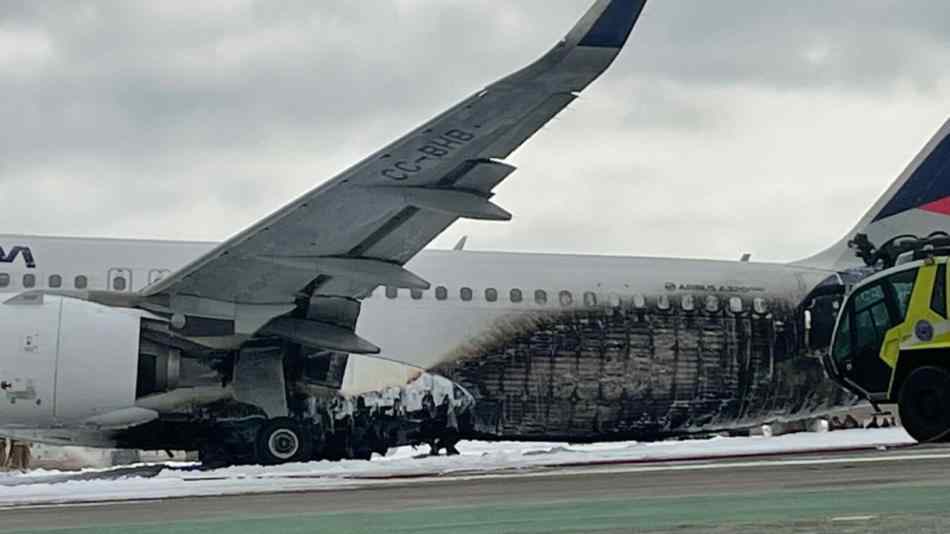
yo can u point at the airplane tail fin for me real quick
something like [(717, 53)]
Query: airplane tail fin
[(917, 203)]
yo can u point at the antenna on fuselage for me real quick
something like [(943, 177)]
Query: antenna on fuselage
[(461, 244)]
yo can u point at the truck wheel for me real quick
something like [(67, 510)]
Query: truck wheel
[(282, 440), (923, 405)]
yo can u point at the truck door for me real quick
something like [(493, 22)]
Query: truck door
[(870, 321), (900, 287)]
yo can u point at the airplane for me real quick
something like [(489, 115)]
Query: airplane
[(326, 330)]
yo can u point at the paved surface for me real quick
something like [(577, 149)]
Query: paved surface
[(885, 491)]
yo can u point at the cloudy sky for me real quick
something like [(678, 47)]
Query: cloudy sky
[(724, 127)]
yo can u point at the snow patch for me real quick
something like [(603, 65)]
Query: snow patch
[(182, 479)]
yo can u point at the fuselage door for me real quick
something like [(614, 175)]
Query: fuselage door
[(120, 279)]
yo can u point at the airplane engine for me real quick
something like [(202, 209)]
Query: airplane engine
[(64, 360)]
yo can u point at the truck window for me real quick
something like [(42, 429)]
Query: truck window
[(902, 284), (938, 301), (842, 348), (871, 319)]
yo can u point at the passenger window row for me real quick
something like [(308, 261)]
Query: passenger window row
[(515, 296), (55, 281), (118, 280), (711, 303)]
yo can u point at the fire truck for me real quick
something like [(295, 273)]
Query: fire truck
[(891, 342)]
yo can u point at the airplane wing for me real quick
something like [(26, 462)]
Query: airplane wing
[(355, 232)]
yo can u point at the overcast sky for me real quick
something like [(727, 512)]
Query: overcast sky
[(724, 127)]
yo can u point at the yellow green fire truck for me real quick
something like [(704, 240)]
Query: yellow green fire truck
[(892, 342)]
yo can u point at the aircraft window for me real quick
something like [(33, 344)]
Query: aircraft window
[(590, 299), (565, 298), (118, 283), (516, 295), (81, 282), (688, 303), (938, 301), (4, 280), (466, 293), (491, 294), (392, 292), (416, 294), (541, 297), (712, 303), (55, 281), (663, 302), (639, 302), (760, 306), (29, 280), (735, 305), (441, 293)]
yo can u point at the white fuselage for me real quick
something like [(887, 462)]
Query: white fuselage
[(422, 330)]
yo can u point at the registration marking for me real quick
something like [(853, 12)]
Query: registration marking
[(431, 153)]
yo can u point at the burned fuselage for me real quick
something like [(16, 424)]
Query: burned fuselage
[(643, 360), (664, 368)]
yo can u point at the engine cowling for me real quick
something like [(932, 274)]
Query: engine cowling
[(64, 360)]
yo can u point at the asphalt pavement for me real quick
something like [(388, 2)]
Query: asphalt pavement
[(904, 490)]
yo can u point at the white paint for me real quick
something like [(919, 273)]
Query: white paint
[(67, 361)]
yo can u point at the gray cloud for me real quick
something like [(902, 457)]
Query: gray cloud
[(193, 119)]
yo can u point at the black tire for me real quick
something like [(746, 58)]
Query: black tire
[(281, 441), (923, 404)]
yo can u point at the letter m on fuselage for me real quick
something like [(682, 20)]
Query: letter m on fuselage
[(18, 251)]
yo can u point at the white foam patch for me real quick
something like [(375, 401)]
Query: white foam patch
[(403, 465)]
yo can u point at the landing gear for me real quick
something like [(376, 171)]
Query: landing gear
[(282, 440), (924, 406)]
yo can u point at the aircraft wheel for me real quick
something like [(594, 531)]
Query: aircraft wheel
[(281, 441), (923, 404)]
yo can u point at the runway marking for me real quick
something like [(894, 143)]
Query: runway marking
[(733, 465), (84, 504), (853, 518)]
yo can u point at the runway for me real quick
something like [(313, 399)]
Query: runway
[(896, 490)]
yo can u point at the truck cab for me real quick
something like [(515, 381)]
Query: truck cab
[(891, 344)]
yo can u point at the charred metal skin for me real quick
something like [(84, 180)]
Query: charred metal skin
[(670, 367)]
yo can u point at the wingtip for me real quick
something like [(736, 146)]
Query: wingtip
[(614, 21)]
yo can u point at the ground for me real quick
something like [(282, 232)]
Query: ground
[(902, 490)]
